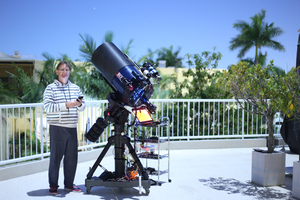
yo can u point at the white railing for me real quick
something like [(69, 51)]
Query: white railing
[(24, 132)]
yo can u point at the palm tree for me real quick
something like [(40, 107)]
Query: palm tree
[(256, 34), (126, 49), (261, 60), (28, 90), (109, 35), (96, 86), (87, 48), (148, 57), (278, 71), (7, 96), (48, 74), (170, 57)]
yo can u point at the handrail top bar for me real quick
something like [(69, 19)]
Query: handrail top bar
[(194, 100), (105, 101), (21, 105), (40, 104)]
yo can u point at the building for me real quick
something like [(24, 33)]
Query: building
[(8, 64)]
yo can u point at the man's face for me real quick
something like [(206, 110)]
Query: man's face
[(63, 73)]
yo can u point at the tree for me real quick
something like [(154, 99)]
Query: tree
[(109, 36), (292, 80), (279, 71), (7, 96), (170, 57), (256, 34), (259, 87), (47, 75), (200, 79), (262, 58), (148, 57), (126, 49), (161, 90), (96, 86), (87, 48), (262, 62), (199, 83), (28, 90)]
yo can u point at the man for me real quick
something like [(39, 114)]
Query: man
[(62, 101)]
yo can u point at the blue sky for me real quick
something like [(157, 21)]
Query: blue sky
[(36, 26)]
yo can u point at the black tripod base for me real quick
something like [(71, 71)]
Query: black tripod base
[(95, 181), (119, 142)]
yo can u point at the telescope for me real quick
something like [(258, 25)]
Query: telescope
[(131, 87), (125, 77)]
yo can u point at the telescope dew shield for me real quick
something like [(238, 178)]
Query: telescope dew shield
[(108, 59), (123, 76)]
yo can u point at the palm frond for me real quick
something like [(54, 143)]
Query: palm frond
[(87, 48)]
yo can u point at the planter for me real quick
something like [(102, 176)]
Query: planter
[(268, 169), (296, 180)]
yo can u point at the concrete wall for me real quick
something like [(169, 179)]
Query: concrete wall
[(23, 169)]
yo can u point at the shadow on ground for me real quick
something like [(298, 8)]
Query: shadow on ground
[(106, 193), (61, 193), (233, 186)]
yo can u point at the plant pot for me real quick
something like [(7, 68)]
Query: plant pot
[(268, 169), (296, 180)]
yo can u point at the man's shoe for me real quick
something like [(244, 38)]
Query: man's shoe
[(74, 189), (53, 190)]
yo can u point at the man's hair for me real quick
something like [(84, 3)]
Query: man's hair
[(62, 63)]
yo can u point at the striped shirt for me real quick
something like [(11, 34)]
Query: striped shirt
[(56, 95)]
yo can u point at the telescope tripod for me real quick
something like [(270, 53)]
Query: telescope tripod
[(120, 141)]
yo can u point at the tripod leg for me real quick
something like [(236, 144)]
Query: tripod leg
[(119, 151), (101, 156), (136, 158)]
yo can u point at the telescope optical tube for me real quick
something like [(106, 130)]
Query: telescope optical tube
[(123, 76)]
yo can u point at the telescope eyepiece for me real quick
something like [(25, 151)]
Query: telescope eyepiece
[(149, 71)]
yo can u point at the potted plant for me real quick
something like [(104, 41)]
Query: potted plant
[(292, 80), (265, 92)]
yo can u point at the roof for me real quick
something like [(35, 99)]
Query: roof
[(4, 56), (194, 173)]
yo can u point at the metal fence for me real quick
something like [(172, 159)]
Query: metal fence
[(24, 131)]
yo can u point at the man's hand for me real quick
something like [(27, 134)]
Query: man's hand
[(74, 103)]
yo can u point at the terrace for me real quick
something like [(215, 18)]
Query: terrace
[(210, 153)]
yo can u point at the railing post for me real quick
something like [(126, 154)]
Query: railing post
[(1, 137), (243, 120), (42, 132), (188, 122)]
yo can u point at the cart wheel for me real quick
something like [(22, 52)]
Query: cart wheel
[(170, 180), (159, 184), (147, 191)]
